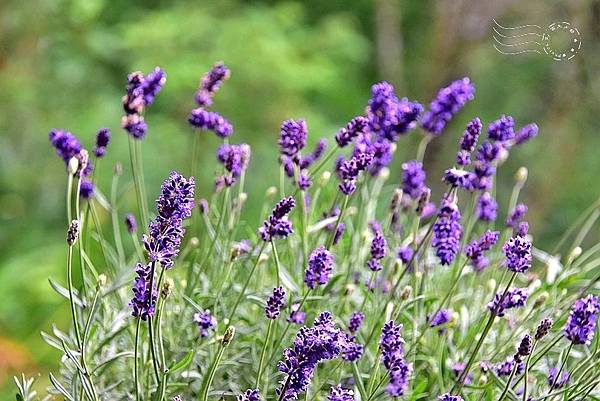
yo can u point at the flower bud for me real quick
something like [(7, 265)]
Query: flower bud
[(101, 281), (423, 200), (73, 232), (483, 380), (349, 290), (271, 191), (118, 169), (396, 198), (167, 288), (263, 258), (543, 328), (73, 166), (242, 198), (325, 176), (203, 206), (521, 175), (228, 336), (541, 299), (491, 284), (194, 242), (384, 174), (83, 157), (406, 292), (575, 253)]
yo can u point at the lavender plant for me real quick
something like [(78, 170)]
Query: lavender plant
[(335, 294)]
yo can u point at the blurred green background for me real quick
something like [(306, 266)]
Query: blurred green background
[(63, 64)]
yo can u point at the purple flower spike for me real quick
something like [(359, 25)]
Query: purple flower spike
[(475, 251), (378, 248), (440, 318), (293, 137), (350, 169), (297, 316), (502, 129), (210, 121), (447, 103), (413, 178), (581, 324), (140, 93), (249, 395), (351, 350), (86, 190), (486, 207), (526, 133), (471, 135), (449, 397), (518, 254), (390, 117), (357, 126), (557, 383), (405, 253), (66, 144), (102, 140), (130, 223), (447, 231), (144, 298), (205, 322), (459, 178), (274, 303), (516, 216), (320, 267), (277, 225), (135, 125), (355, 322), (338, 393), (210, 84), (391, 344), (515, 298), (235, 159)]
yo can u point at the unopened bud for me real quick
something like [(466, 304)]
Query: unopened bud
[(521, 175), (423, 200), (203, 206), (271, 191), (396, 198), (194, 242), (393, 148), (384, 174), (406, 292), (575, 253), (72, 166), (101, 281), (228, 336), (73, 232), (242, 198), (541, 299), (483, 380), (325, 176), (349, 290), (491, 284), (167, 287), (262, 258), (543, 328), (83, 157), (118, 169)]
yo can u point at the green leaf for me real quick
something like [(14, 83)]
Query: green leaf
[(183, 363)]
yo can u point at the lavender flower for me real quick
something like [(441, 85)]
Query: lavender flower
[(102, 140), (447, 231), (357, 126), (381, 149), (440, 318), (140, 93), (293, 137), (581, 324), (523, 229), (392, 356), (350, 169), (152, 84), (320, 266), (338, 393), (468, 142), (502, 129), (205, 322), (277, 224), (457, 368), (459, 178), (86, 189), (505, 368), (66, 144), (338, 233), (378, 249), (297, 316), (355, 322), (130, 223), (557, 383), (449, 397), (475, 251), (312, 345), (135, 125), (389, 116), (516, 216), (351, 350), (486, 207), (524, 349), (447, 103), (515, 298), (413, 178), (543, 328), (210, 121), (144, 298), (210, 84), (518, 254), (526, 133), (405, 253), (307, 161), (274, 303), (235, 159)]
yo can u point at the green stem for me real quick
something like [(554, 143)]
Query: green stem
[(262, 354), (150, 327), (136, 377), (512, 374), (277, 264), (211, 374), (115, 219), (562, 365), (423, 147), (71, 297), (337, 223), (526, 373)]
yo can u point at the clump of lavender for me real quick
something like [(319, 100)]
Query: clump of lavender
[(166, 231), (338, 393), (144, 297), (526, 133), (555, 382), (515, 298), (210, 121), (102, 140), (486, 207), (356, 127), (130, 223), (475, 251), (581, 324), (518, 254), (350, 169), (413, 179), (319, 269), (205, 322), (274, 303), (355, 322), (447, 103), (235, 159), (210, 84), (468, 142), (447, 231), (293, 137), (525, 348), (502, 129), (249, 395), (312, 345), (391, 345), (277, 225), (516, 216), (378, 248), (139, 94)]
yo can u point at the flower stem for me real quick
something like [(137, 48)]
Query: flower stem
[(562, 366), (526, 373), (337, 223), (136, 377), (211, 374), (262, 354), (512, 374)]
